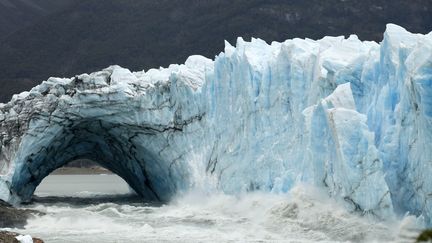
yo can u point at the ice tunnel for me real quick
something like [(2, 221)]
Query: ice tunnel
[(98, 141), (137, 137)]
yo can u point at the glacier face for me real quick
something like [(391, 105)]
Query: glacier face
[(351, 117)]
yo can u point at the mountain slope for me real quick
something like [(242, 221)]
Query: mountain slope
[(18, 14), (139, 34)]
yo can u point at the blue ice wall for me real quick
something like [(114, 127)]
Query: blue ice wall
[(350, 117)]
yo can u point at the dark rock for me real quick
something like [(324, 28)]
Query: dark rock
[(425, 236), (9, 237), (11, 217)]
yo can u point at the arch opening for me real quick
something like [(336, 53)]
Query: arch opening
[(82, 179), (115, 147)]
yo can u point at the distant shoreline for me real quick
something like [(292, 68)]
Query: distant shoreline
[(81, 171)]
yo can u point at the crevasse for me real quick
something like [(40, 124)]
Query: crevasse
[(351, 117)]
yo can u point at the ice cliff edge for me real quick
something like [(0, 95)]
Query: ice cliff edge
[(352, 117)]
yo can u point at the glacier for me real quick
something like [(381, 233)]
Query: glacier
[(351, 117)]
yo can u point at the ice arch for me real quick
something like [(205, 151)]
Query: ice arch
[(101, 117), (102, 142)]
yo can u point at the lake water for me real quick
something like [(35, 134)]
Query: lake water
[(101, 208)]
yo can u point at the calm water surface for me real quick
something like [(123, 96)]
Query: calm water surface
[(82, 185)]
